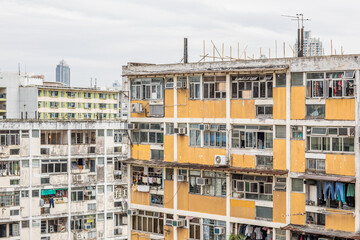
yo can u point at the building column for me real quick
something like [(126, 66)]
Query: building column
[(228, 153), (175, 237), (30, 180), (129, 192), (356, 149), (288, 150), (69, 179)]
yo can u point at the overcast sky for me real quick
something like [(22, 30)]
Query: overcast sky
[(97, 37)]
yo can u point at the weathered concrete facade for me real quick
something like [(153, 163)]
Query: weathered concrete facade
[(77, 166), (268, 144)]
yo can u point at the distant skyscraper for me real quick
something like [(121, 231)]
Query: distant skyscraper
[(63, 73), (312, 46)]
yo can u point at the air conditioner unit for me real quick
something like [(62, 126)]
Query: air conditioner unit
[(202, 181), (180, 131), (133, 212), (221, 160), (117, 172), (156, 214), (136, 108), (181, 178), (87, 226), (179, 223), (280, 184), (181, 85), (80, 178), (79, 236), (204, 126), (219, 230), (168, 222), (51, 228)]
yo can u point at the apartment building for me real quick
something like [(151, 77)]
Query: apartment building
[(63, 179), (264, 148), (30, 97)]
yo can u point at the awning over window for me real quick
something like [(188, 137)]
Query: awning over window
[(328, 178), (321, 232), (50, 191)]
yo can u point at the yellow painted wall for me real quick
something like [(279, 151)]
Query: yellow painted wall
[(242, 109), (340, 109), (168, 233), (200, 203), (298, 162), (139, 235), (243, 161), (183, 195), (342, 222), (242, 209), (279, 158), (141, 198), (297, 206), (139, 115), (279, 206), (297, 102), (168, 194), (168, 148), (140, 151), (187, 154), (279, 107), (199, 109), (183, 233), (340, 164), (169, 103)]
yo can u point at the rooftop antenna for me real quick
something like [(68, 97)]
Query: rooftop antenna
[(91, 83), (185, 50), (19, 68), (95, 82), (300, 19)]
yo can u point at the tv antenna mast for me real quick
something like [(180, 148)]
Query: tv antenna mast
[(300, 40)]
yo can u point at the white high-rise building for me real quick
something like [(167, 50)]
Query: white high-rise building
[(312, 46)]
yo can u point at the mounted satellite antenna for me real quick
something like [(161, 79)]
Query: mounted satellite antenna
[(300, 39)]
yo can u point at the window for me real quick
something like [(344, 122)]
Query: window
[(214, 87), (330, 139), (87, 95), (100, 189), (54, 166), (297, 132), (195, 135), (53, 137), (36, 163), (9, 168), (215, 136), (208, 229), (297, 185), (215, 183), (109, 133), (315, 218), (147, 88), (35, 193), (8, 199), (14, 151), (330, 84), (109, 188), (35, 133), (169, 174), (148, 222), (25, 163), (264, 212), (25, 224), (264, 111), (149, 133), (280, 131), (71, 105), (194, 230), (315, 165), (92, 206), (281, 80), (264, 161), (118, 134), (14, 181), (83, 193), (70, 94), (79, 222), (260, 137), (194, 87), (14, 212), (252, 86), (169, 128), (54, 104), (315, 111), (25, 193), (297, 79), (157, 154), (54, 93), (169, 83), (8, 138), (252, 187)]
